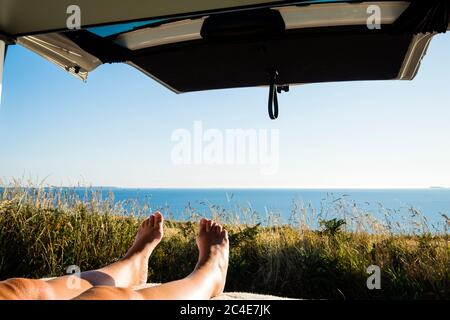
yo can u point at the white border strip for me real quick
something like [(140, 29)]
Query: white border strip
[(339, 14), (179, 31), (295, 17)]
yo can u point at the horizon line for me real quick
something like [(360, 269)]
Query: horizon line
[(243, 188)]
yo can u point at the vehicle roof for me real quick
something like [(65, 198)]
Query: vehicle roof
[(24, 17), (204, 45)]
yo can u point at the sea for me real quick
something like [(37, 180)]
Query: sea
[(404, 207), (400, 210)]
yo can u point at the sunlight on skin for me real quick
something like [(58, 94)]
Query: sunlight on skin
[(116, 280)]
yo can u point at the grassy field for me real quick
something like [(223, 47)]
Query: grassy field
[(42, 233)]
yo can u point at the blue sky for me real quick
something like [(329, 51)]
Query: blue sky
[(116, 129)]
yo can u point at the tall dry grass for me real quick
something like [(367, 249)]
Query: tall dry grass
[(43, 231)]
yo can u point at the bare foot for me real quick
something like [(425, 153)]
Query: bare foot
[(212, 242), (148, 237)]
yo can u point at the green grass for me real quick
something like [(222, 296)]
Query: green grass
[(42, 233)]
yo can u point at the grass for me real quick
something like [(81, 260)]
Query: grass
[(42, 232)]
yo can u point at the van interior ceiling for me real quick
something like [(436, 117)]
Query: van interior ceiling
[(277, 44)]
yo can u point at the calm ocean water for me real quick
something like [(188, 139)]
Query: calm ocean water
[(403, 206), (432, 202)]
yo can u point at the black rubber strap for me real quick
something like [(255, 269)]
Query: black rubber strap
[(273, 98)]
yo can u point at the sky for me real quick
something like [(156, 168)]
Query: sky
[(118, 129)]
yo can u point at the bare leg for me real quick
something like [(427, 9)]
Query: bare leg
[(127, 272), (206, 281)]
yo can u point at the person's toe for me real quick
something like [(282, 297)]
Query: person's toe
[(151, 221), (224, 234), (203, 223), (158, 219), (209, 225)]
